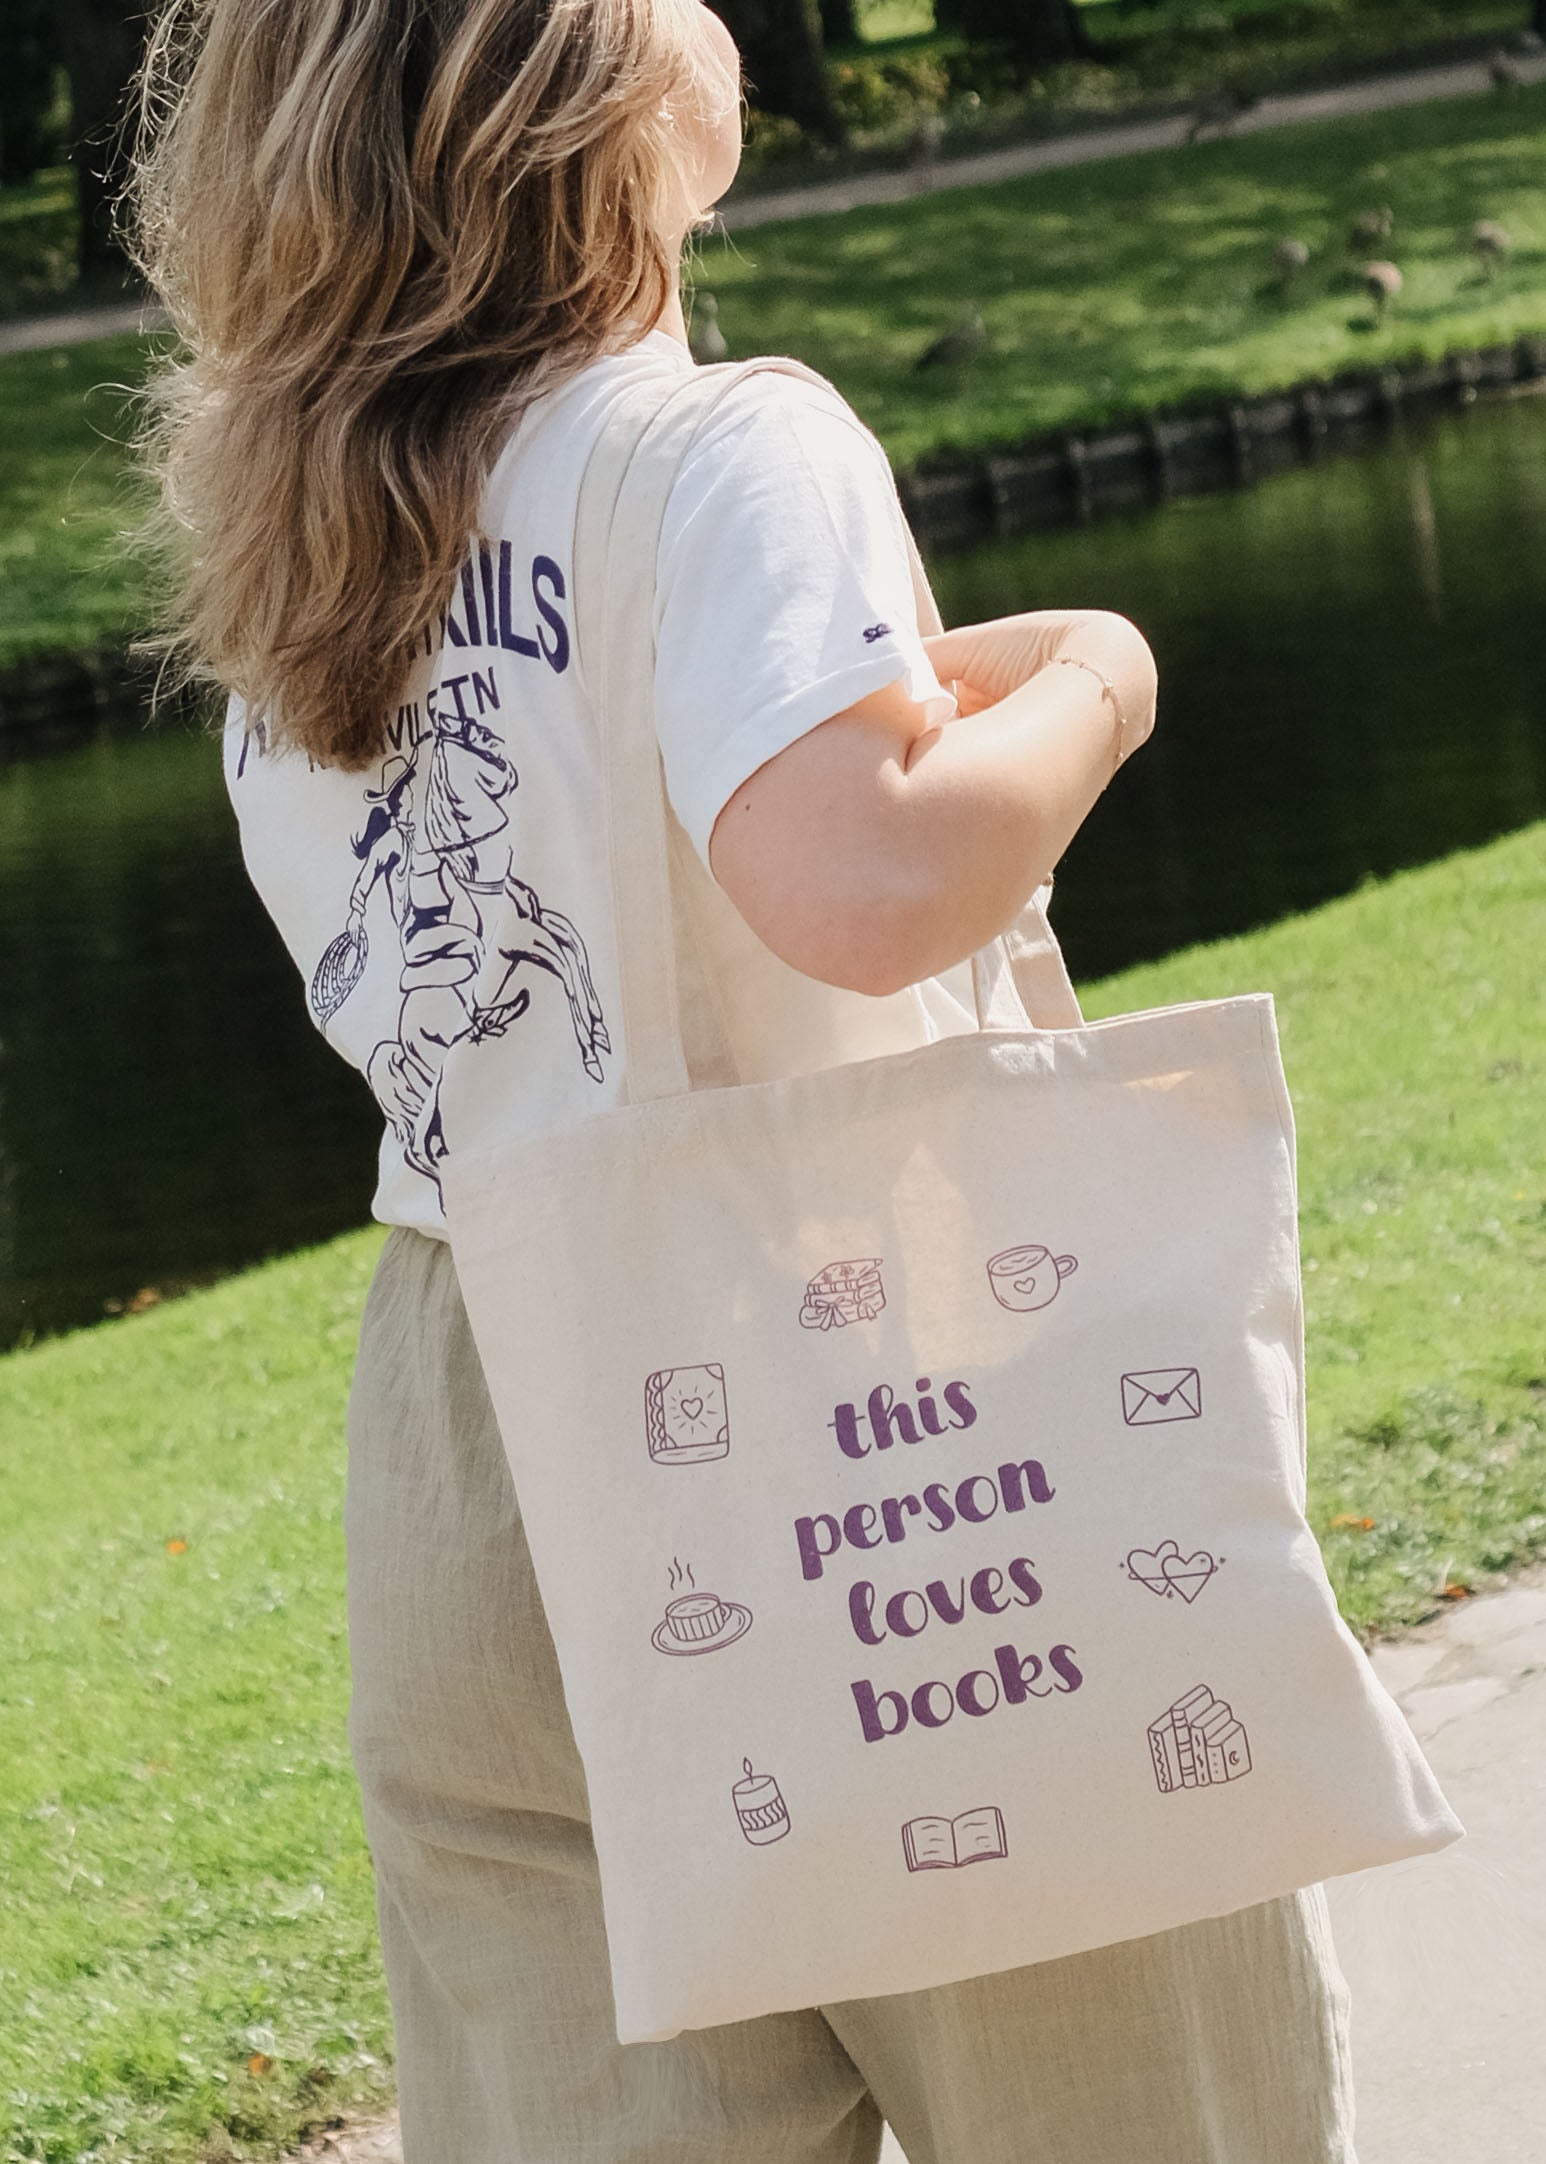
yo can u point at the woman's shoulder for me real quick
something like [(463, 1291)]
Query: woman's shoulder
[(776, 400)]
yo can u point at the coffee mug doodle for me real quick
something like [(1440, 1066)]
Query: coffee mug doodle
[(1197, 1743), (697, 1622), (1165, 1570), (760, 1809), (843, 1292), (1024, 1278), (686, 1418)]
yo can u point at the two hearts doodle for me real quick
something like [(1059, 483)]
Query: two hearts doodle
[(1165, 1570)]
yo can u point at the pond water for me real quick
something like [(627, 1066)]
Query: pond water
[(1353, 680)]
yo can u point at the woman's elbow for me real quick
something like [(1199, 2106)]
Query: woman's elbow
[(872, 942), (822, 856)]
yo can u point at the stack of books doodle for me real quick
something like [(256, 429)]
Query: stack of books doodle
[(1198, 1742)]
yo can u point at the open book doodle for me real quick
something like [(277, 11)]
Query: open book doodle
[(944, 1844)]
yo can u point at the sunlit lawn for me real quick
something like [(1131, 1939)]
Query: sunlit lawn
[(186, 1938), (37, 238), (1140, 281), (65, 498), (880, 19), (1105, 290), (1413, 1018), (188, 1965)]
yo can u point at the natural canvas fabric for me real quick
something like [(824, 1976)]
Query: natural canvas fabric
[(912, 1457)]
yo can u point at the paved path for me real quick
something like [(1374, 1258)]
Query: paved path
[(34, 334), (1445, 1955), (1415, 87), (1378, 94)]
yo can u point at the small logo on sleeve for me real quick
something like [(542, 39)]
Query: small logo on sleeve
[(873, 632)]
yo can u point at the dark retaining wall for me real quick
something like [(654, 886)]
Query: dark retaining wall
[(1068, 477), (57, 700), (61, 699)]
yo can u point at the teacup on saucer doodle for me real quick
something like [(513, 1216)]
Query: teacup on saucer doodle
[(700, 1623), (1028, 1277)]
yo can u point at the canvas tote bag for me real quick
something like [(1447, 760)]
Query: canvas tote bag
[(912, 1458)]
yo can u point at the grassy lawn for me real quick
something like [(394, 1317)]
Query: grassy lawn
[(1107, 289), (187, 1959), (187, 1937), (65, 496), (1146, 55), (1413, 1018), (1136, 282), (38, 225)]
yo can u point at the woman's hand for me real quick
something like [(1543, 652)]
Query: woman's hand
[(985, 662)]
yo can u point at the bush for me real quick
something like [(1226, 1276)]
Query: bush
[(1049, 32), (880, 93), (32, 109)]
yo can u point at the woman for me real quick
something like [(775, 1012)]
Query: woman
[(415, 248)]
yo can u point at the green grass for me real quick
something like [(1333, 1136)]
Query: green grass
[(187, 1956), (1413, 1019), (1106, 290), (187, 1888), (65, 497), (1116, 287), (38, 228), (882, 20)]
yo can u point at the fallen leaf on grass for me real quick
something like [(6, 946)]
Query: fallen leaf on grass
[(1452, 1590), (259, 2063), (1351, 1517), (177, 1547)]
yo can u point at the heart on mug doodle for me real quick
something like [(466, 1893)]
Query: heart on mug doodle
[(691, 1407), (1188, 1574)]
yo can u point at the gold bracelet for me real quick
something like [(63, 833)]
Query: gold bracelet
[(1077, 661)]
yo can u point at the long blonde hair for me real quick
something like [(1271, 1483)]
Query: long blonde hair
[(381, 227)]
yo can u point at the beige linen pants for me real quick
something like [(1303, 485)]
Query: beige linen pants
[(1225, 2042)]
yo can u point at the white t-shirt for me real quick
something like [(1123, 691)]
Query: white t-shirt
[(450, 909)]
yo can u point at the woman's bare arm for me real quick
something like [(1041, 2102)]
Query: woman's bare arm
[(874, 852)]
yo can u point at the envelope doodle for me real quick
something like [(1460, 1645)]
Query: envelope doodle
[(1154, 1395)]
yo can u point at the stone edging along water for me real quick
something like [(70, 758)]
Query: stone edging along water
[(1068, 476), (54, 701), (1065, 477)]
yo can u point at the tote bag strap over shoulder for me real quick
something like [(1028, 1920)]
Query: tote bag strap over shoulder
[(1036, 960), (622, 503)]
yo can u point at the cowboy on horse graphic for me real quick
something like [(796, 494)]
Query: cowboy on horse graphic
[(445, 859)]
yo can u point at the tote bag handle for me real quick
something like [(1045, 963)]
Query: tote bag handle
[(1036, 960), (623, 496)]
